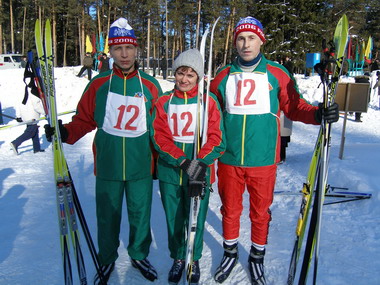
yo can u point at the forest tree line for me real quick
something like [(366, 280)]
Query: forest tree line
[(165, 27)]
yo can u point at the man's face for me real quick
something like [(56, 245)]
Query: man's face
[(248, 45), (124, 56), (185, 78)]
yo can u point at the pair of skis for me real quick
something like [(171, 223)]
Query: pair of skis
[(68, 205), (200, 139), (318, 171)]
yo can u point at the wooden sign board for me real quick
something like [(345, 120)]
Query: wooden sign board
[(357, 95)]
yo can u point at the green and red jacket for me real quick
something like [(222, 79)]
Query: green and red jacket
[(253, 140), (116, 157), (171, 152)]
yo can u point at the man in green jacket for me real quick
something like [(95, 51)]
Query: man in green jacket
[(118, 103), (252, 92)]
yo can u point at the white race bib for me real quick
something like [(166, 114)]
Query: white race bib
[(247, 93), (182, 122), (125, 116)]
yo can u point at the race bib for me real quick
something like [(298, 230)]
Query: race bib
[(125, 116), (247, 93), (182, 122)]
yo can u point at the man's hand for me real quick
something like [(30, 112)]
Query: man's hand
[(50, 131), (330, 114)]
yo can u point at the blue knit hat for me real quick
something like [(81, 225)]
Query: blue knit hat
[(121, 33), (249, 24)]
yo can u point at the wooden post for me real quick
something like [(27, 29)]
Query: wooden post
[(346, 105)]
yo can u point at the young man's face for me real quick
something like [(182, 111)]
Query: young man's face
[(248, 45), (124, 56), (185, 78)]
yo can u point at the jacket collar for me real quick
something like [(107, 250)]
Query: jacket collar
[(189, 94), (117, 71)]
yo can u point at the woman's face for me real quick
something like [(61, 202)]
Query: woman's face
[(185, 78)]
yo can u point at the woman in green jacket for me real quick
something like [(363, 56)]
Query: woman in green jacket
[(174, 133)]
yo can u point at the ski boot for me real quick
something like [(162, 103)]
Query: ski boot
[(230, 259), (256, 266), (145, 268)]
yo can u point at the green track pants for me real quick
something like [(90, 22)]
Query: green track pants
[(176, 204), (109, 199)]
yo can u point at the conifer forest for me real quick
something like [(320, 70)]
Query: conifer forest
[(165, 27)]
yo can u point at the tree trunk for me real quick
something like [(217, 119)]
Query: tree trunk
[(11, 20), (198, 23), (82, 37), (148, 44), (1, 29), (65, 42), (167, 37), (230, 23), (54, 32), (99, 24), (23, 33)]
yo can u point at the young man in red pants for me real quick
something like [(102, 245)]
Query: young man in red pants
[(252, 92)]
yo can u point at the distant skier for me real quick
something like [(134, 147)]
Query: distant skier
[(87, 65), (29, 113)]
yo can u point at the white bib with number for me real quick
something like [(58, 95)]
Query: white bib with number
[(182, 122), (125, 116), (247, 93)]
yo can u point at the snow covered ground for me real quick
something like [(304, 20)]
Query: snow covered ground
[(29, 243)]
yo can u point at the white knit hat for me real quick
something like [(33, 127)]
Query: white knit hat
[(191, 58)]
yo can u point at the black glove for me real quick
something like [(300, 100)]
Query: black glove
[(330, 114), (196, 188), (19, 120), (185, 165), (195, 169), (49, 132)]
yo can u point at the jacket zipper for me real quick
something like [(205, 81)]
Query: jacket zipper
[(124, 142), (243, 140)]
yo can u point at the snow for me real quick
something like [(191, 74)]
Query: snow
[(30, 249)]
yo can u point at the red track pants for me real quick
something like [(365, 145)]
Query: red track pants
[(260, 182)]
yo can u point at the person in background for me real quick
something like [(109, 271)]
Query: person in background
[(119, 104), (110, 62), (173, 135), (23, 62), (154, 66), (374, 65), (286, 126), (289, 65), (104, 63), (29, 113), (252, 92), (377, 85), (87, 65), (163, 65)]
